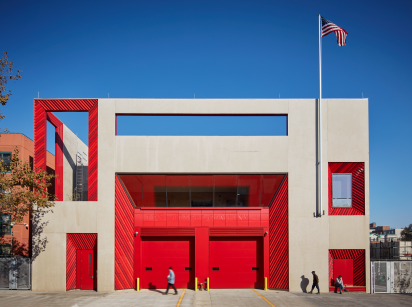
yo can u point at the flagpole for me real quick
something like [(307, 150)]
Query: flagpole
[(319, 207)]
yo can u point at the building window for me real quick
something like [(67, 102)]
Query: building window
[(6, 157), (201, 190), (5, 224), (5, 249), (342, 190)]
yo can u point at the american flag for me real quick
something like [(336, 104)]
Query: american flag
[(329, 27)]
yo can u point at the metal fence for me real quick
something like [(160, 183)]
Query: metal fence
[(391, 276), (15, 273)]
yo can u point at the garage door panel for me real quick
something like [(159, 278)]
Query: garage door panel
[(160, 253), (236, 257)]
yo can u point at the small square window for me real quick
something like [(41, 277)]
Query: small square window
[(5, 224), (5, 249), (342, 190)]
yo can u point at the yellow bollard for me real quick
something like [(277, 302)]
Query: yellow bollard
[(207, 280), (266, 284), (137, 284), (195, 283)]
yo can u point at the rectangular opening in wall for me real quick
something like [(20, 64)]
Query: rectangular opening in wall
[(342, 190), (206, 125)]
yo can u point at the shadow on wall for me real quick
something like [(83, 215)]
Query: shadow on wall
[(38, 241), (304, 283)]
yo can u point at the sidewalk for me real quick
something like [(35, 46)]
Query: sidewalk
[(213, 298)]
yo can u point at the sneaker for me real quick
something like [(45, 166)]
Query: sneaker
[(340, 292), (310, 292), (318, 293), (346, 290)]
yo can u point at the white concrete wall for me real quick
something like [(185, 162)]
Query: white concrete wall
[(344, 139), (71, 146)]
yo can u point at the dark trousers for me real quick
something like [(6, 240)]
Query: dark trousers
[(315, 285), (168, 287)]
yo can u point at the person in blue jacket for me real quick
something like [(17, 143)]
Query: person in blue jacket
[(171, 281)]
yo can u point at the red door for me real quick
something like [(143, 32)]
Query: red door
[(160, 253), (236, 262), (343, 267), (86, 269)]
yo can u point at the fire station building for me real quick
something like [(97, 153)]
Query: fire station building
[(234, 209)]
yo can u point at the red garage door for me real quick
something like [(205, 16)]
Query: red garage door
[(160, 253), (236, 262)]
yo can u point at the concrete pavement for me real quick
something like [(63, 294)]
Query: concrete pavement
[(213, 298)]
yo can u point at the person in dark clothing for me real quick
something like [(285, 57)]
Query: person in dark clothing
[(315, 283), (171, 281)]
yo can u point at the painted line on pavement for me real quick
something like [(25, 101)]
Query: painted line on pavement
[(264, 298), (181, 297)]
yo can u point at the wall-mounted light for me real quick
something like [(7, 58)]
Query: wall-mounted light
[(135, 234), (266, 233)]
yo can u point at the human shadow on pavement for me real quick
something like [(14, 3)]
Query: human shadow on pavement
[(304, 284)]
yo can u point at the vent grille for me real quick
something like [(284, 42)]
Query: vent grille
[(167, 231), (236, 231)]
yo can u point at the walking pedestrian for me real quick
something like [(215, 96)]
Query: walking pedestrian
[(339, 284), (171, 281), (315, 283)]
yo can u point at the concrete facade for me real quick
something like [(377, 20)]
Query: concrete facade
[(344, 139)]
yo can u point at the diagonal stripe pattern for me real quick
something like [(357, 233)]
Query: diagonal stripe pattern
[(279, 239)]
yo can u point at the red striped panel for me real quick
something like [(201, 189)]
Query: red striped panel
[(74, 242), (58, 151), (279, 239), (167, 231), (124, 248), (93, 136), (236, 231), (358, 187), (40, 136), (358, 256), (71, 105)]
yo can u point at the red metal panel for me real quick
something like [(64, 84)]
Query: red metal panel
[(242, 217), (40, 136), (160, 217), (167, 231), (236, 258), (66, 105), (358, 187), (159, 253), (343, 267), (358, 256), (231, 218), (207, 218), (74, 242), (138, 217), (172, 218), (236, 231), (148, 218), (219, 218), (93, 151), (202, 252), (124, 230), (279, 239), (58, 152), (184, 217), (195, 218)]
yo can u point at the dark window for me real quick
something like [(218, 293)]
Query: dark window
[(5, 249), (201, 190), (252, 190), (154, 190), (178, 193), (5, 224), (226, 191), (6, 157)]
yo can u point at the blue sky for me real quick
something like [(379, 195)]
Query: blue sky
[(223, 49)]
